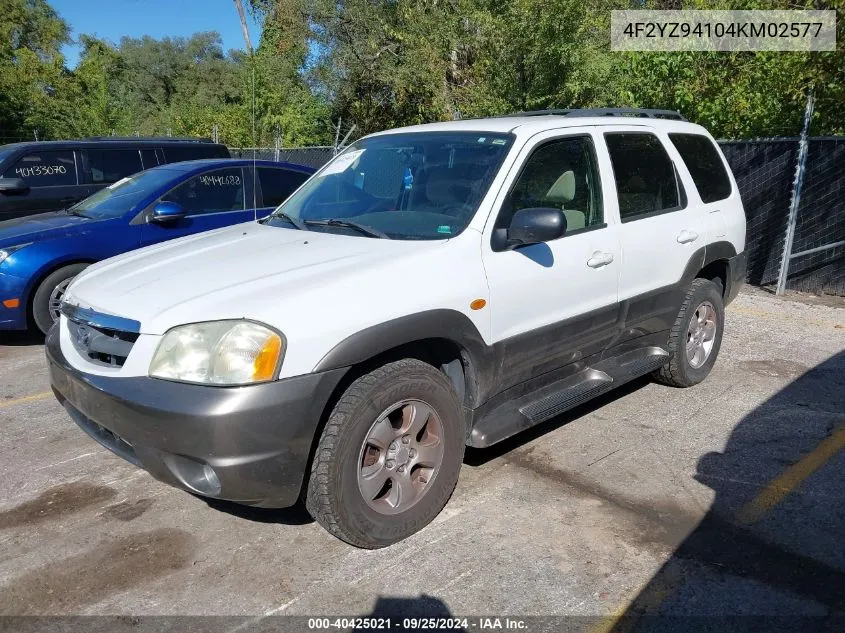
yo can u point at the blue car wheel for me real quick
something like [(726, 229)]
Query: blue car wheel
[(48, 295)]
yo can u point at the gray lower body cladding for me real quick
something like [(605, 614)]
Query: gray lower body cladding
[(250, 445)]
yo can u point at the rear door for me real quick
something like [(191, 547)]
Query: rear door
[(274, 186), (51, 176), (660, 228), (707, 169), (211, 199)]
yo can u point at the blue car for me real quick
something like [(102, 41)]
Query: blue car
[(40, 254)]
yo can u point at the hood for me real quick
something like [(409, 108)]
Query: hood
[(235, 272), (43, 226)]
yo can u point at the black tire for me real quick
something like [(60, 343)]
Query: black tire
[(41, 315), (333, 496), (679, 372)]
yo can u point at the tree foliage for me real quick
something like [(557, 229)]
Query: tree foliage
[(387, 63)]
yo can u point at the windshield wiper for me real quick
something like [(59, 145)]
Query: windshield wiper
[(349, 224), (284, 216), (72, 211)]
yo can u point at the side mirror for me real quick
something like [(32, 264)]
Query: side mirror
[(13, 186), (534, 226), (164, 212)]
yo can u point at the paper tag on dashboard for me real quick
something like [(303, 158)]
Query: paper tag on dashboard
[(342, 162)]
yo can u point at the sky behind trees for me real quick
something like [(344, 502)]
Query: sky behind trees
[(378, 64)]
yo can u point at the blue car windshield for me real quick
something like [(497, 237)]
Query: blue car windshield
[(407, 186), (124, 195)]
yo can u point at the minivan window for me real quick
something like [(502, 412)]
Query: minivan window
[(110, 165), (646, 181), (409, 186), (704, 164), (278, 184), (175, 154), (45, 169), (124, 195)]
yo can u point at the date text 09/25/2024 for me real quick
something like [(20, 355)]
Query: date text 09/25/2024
[(416, 624)]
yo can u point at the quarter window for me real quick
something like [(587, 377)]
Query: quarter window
[(278, 184), (560, 174), (210, 192), (110, 165), (45, 169), (646, 181), (705, 166)]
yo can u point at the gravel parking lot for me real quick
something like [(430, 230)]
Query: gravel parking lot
[(721, 499)]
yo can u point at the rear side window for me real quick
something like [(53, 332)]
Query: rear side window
[(646, 181), (705, 166), (110, 165), (174, 154), (278, 184), (45, 169)]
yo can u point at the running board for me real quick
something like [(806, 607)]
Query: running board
[(521, 413)]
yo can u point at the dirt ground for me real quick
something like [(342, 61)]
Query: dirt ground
[(725, 499)]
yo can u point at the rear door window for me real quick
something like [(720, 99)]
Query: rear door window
[(646, 180), (148, 158), (105, 166), (215, 191), (705, 166), (45, 169), (278, 184)]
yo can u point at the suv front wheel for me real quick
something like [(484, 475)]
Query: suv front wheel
[(389, 456)]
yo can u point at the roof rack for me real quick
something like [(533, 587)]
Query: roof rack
[(179, 139), (625, 112)]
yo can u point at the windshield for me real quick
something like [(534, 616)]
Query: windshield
[(122, 196), (410, 186)]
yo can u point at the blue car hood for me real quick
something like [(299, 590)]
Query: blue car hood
[(44, 226)]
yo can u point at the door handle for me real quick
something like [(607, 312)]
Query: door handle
[(687, 236), (599, 259)]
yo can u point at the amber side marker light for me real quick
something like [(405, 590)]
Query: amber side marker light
[(12, 303), (478, 304)]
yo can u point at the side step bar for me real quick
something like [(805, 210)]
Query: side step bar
[(544, 404), (589, 384)]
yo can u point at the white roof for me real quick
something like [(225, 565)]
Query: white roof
[(530, 125)]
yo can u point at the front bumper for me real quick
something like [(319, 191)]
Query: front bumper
[(737, 271), (250, 445), (12, 287)]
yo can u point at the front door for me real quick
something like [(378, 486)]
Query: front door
[(555, 302), (52, 180), (211, 200)]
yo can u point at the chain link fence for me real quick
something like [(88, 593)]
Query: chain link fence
[(765, 173), (314, 157)]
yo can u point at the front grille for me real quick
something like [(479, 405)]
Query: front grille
[(103, 346), (102, 338)]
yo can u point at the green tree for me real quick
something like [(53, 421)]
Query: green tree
[(31, 67)]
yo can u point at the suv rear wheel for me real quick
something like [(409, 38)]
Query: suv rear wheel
[(389, 456), (696, 336)]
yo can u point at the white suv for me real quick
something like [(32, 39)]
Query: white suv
[(431, 287)]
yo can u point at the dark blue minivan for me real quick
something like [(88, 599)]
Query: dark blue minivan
[(40, 254)]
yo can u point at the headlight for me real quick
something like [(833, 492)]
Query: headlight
[(7, 251), (218, 353)]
